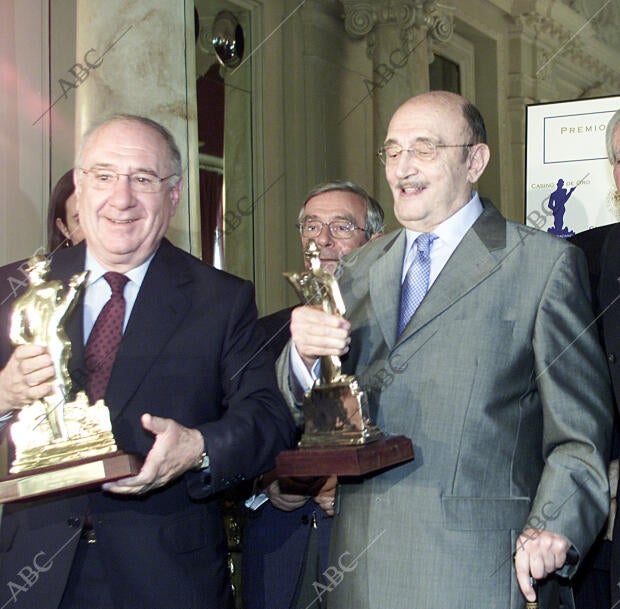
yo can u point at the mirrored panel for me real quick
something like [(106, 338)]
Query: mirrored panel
[(224, 107)]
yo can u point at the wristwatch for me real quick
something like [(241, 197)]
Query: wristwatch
[(202, 462)]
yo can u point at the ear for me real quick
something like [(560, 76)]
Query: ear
[(375, 236), (477, 161), (175, 196), (60, 225)]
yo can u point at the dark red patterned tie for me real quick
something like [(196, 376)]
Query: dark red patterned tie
[(105, 338)]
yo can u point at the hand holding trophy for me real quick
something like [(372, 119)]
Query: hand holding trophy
[(57, 442), (339, 437)]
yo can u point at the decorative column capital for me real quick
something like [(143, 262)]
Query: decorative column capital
[(361, 17)]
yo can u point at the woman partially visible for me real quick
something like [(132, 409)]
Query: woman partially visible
[(63, 225)]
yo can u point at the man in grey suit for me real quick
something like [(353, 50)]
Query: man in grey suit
[(497, 376)]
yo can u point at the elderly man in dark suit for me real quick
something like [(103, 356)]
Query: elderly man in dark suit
[(597, 583), (500, 382), (186, 390)]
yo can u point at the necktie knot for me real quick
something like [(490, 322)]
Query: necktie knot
[(117, 282), (424, 243)]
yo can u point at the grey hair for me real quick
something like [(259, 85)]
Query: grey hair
[(174, 155), (609, 134), (374, 211)]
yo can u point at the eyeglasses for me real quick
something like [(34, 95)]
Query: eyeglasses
[(106, 179), (338, 229), (424, 150)]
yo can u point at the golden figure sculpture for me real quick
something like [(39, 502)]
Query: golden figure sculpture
[(318, 287), (38, 318), (335, 409)]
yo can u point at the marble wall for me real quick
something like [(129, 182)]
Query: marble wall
[(140, 60), (24, 125)]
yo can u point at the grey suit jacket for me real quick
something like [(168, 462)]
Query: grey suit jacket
[(501, 384)]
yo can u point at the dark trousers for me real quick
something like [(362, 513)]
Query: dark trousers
[(88, 586)]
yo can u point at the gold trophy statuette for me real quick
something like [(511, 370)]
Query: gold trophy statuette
[(54, 434), (338, 437), (336, 408)]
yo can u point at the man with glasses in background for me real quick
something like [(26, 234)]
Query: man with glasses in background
[(171, 345), (500, 383), (286, 539)]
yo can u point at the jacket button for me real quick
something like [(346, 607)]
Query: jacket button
[(73, 522), (305, 519), (611, 358)]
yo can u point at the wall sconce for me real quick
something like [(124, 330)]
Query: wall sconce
[(227, 39)]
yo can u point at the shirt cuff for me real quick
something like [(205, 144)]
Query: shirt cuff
[(255, 501), (304, 377), (6, 418)]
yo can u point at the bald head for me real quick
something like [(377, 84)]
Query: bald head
[(438, 150), (454, 104)]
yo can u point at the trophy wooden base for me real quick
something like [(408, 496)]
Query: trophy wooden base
[(64, 477), (345, 460)]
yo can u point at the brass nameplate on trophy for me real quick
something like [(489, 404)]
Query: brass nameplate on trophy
[(345, 461), (65, 477), (60, 444), (339, 437)]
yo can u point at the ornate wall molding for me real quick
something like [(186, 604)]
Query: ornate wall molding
[(605, 18), (567, 46), (361, 17)]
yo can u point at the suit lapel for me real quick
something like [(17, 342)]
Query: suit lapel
[(471, 263), (610, 269), (162, 303), (385, 275)]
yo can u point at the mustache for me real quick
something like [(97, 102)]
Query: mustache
[(417, 184), (329, 254)]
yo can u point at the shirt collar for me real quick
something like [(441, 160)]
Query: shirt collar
[(97, 271), (452, 230)]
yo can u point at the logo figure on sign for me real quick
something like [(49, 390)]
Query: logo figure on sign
[(557, 204)]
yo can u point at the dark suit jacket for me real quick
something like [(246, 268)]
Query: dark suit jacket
[(189, 353), (276, 330), (591, 243), (592, 583), (608, 295), (275, 541), (602, 248)]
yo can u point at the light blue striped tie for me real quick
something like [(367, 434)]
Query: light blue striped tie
[(415, 285)]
